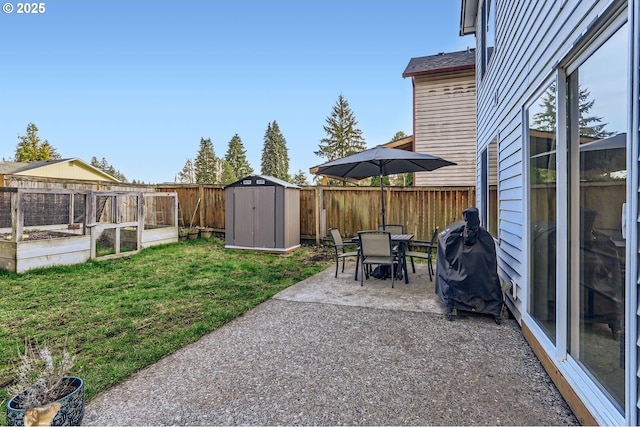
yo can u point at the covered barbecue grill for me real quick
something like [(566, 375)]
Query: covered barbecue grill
[(467, 268)]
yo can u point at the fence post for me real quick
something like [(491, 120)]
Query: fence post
[(317, 213), (202, 205)]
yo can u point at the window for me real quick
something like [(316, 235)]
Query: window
[(489, 188), (487, 34), (541, 119)]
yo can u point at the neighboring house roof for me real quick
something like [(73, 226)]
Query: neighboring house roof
[(56, 169), (441, 63), (468, 17), (405, 143)]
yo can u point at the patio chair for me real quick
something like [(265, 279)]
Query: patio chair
[(393, 228), (340, 249), (376, 249), (425, 254)]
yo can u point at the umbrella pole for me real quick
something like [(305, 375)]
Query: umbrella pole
[(384, 224)]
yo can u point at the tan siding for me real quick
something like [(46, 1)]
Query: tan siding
[(445, 117), (72, 169)]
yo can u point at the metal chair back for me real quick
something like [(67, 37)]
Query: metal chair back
[(340, 249), (393, 228), (376, 248), (336, 237)]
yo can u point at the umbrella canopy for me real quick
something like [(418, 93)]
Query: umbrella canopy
[(603, 155), (380, 161)]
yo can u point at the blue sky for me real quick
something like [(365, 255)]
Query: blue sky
[(140, 82)]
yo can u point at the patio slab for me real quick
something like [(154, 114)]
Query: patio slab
[(417, 295), (327, 351)]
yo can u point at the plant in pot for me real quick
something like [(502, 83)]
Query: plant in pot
[(182, 233), (44, 394), (193, 233), (206, 232)]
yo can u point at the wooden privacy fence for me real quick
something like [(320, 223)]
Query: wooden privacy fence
[(350, 209)]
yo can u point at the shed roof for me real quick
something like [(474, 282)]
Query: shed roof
[(266, 178), (441, 63)]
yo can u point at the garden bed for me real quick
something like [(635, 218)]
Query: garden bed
[(50, 248), (45, 227), (37, 235)]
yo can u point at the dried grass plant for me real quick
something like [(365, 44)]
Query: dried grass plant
[(40, 376)]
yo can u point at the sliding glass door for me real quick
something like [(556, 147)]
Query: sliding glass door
[(597, 175), (577, 189)]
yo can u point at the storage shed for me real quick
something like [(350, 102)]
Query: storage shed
[(262, 214)]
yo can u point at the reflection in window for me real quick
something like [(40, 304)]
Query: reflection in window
[(492, 190), (490, 28), (597, 118), (542, 211), (487, 37)]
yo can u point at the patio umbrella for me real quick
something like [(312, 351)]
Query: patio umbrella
[(603, 155), (380, 161)]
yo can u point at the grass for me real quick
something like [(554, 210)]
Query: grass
[(122, 315)]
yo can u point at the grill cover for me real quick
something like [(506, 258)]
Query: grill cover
[(467, 268)]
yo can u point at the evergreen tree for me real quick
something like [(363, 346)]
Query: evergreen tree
[(398, 135), (589, 125), (188, 174), (402, 179), (206, 165), (375, 181), (300, 179), (343, 137), (236, 165), (104, 166), (31, 148), (275, 157)]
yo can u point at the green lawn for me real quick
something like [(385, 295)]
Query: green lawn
[(122, 315)]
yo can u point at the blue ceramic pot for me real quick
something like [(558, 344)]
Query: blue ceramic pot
[(71, 407)]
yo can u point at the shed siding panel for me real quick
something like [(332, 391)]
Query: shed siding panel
[(292, 218), (445, 112)]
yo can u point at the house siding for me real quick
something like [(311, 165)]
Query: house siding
[(632, 262), (445, 126), (68, 170), (520, 65), (532, 38)]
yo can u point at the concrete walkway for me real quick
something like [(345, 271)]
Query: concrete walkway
[(327, 351)]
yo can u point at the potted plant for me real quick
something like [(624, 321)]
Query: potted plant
[(182, 233), (206, 232), (193, 233), (44, 394)]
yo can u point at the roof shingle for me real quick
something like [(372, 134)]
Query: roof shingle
[(441, 63)]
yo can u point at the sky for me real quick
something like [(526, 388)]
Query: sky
[(140, 82)]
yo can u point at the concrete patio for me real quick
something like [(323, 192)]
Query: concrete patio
[(328, 351)]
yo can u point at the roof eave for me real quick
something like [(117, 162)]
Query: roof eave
[(468, 15), (440, 70)]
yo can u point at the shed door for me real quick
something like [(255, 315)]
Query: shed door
[(254, 224), (264, 218), (243, 221)]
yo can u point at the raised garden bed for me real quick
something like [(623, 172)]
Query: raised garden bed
[(62, 227)]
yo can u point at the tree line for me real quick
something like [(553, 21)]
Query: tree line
[(31, 148), (343, 138)]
